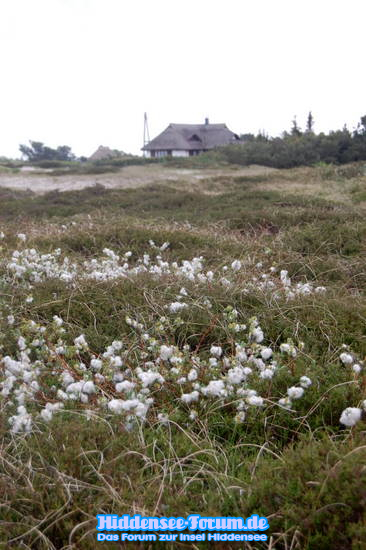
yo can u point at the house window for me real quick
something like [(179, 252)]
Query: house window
[(195, 137)]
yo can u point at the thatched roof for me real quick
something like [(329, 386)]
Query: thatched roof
[(103, 153), (186, 137)]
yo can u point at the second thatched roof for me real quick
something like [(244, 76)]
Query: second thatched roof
[(104, 153)]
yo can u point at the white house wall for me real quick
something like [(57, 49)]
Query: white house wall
[(160, 154), (180, 153)]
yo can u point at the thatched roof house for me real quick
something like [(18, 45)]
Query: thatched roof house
[(183, 140), (104, 153)]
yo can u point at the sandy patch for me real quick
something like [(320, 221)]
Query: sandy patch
[(128, 177)]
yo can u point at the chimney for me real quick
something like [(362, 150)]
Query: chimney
[(207, 122)]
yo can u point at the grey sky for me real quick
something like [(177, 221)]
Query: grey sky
[(82, 72)]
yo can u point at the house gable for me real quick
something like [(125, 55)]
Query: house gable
[(195, 137)]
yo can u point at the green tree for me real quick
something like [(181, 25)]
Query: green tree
[(295, 129), (37, 151), (310, 123)]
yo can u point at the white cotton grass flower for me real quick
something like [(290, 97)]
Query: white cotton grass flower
[(75, 388), (116, 406), (225, 282), (176, 360), (257, 335), (22, 343), (285, 348), (61, 395), (96, 364), (190, 397), (236, 265), (285, 280), (206, 302), (163, 418), (125, 386), (289, 349), (235, 375), (346, 358), (295, 392), (240, 417), (305, 382), (356, 368), (320, 289), (255, 400), (192, 375), (350, 416), (116, 361), (22, 237), (67, 378), (149, 377), (22, 421), (266, 374), (240, 354), (117, 345), (174, 307), (216, 351), (166, 352), (47, 413), (89, 387), (58, 321), (215, 388), (80, 341), (285, 403), (2, 235), (266, 353)]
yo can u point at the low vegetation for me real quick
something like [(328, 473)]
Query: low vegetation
[(171, 350)]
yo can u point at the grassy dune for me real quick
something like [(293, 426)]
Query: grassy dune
[(220, 454)]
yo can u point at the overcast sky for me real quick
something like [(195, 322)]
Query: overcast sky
[(83, 72)]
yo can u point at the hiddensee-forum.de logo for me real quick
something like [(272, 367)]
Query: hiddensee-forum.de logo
[(204, 528)]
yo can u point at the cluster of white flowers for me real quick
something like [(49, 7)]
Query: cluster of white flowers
[(138, 385), (31, 266), (348, 360), (133, 387), (351, 415)]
